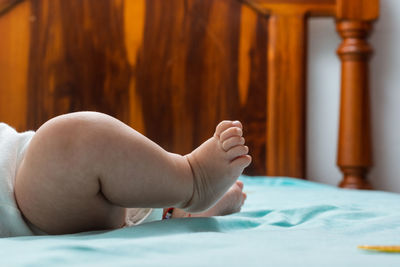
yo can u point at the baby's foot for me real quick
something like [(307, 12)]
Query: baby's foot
[(231, 202), (216, 165)]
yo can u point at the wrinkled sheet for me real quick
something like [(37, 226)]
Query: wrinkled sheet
[(285, 222)]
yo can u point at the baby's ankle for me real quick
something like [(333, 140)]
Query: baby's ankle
[(191, 163)]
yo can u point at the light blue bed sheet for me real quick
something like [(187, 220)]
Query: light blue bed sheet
[(285, 222)]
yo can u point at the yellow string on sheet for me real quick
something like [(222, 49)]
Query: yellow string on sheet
[(387, 249)]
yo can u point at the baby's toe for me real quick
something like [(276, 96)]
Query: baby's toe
[(232, 142), (222, 126), (230, 132), (240, 184), (244, 198), (237, 151), (241, 162), (237, 124), (225, 125)]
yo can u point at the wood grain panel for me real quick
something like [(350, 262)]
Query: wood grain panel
[(286, 96), (366, 10), (171, 69), (14, 57), (252, 88), (195, 51), (307, 7), (78, 59), (7, 5), (134, 19)]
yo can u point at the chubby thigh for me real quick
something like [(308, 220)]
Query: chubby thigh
[(81, 171), (55, 188)]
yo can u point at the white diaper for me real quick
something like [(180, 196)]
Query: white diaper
[(12, 149)]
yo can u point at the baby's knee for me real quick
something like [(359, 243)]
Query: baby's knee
[(67, 136), (74, 122), (76, 125)]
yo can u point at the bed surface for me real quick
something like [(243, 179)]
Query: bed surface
[(280, 225)]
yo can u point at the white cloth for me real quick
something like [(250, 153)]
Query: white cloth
[(12, 149), (142, 215), (12, 223)]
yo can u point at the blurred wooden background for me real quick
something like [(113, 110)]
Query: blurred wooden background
[(170, 69), (174, 69)]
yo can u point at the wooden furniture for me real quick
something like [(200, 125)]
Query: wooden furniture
[(172, 69), (286, 97)]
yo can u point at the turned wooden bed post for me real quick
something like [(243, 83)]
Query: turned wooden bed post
[(354, 23)]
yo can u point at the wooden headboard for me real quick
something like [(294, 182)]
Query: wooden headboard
[(173, 69)]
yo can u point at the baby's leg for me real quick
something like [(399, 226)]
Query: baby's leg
[(80, 171)]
